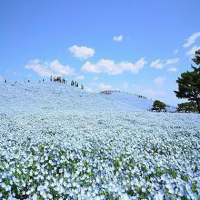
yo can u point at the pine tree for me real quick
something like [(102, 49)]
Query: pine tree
[(187, 107), (189, 83)]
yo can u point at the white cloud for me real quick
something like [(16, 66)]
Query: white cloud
[(61, 69), (175, 51), (79, 77), (118, 38), (172, 61), (101, 86), (95, 78), (47, 69), (125, 85), (192, 50), (191, 39), (133, 67), (159, 80), (1, 78), (88, 89), (82, 52), (157, 64), (104, 87), (152, 93), (172, 69), (112, 68)]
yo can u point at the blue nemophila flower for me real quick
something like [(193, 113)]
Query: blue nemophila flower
[(125, 155), (159, 195)]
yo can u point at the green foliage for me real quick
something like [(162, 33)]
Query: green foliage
[(197, 57), (189, 83), (187, 107), (158, 106)]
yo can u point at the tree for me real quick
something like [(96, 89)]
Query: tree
[(189, 83), (187, 107), (158, 106)]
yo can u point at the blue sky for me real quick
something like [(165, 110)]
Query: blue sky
[(138, 46)]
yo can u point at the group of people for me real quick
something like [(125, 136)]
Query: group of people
[(55, 79), (63, 80), (74, 83), (58, 79)]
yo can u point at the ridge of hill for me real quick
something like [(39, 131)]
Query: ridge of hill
[(52, 95)]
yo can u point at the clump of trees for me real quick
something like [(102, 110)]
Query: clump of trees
[(158, 106), (189, 84)]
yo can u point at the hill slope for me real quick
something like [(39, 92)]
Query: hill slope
[(60, 142), (52, 96)]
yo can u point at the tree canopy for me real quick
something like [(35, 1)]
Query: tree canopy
[(189, 83), (158, 106)]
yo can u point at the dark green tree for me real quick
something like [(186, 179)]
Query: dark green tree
[(158, 106), (189, 83), (187, 107)]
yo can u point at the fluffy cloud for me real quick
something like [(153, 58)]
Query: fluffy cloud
[(104, 87), (172, 69), (118, 38), (79, 78), (192, 50), (47, 69), (61, 69), (82, 52), (112, 68), (151, 93), (101, 86), (191, 39), (172, 61), (159, 80), (157, 64), (88, 89)]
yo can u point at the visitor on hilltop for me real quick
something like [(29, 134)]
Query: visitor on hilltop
[(5, 81), (51, 78), (63, 80)]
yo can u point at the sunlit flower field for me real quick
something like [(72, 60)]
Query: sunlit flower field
[(61, 142)]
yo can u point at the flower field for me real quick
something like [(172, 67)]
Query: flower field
[(60, 142)]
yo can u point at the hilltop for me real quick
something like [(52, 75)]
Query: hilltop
[(49, 96)]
